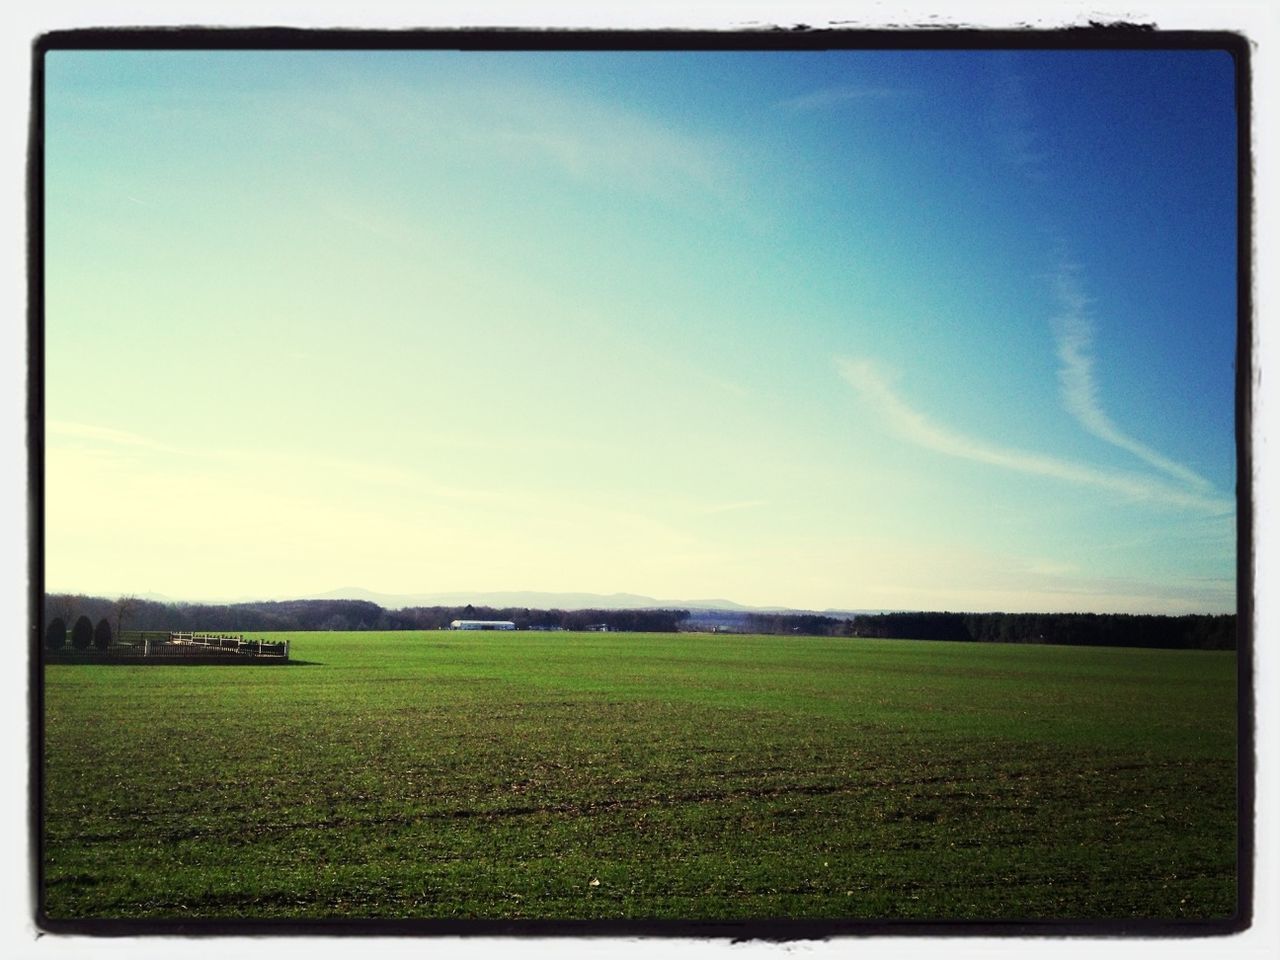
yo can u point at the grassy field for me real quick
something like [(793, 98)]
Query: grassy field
[(528, 775)]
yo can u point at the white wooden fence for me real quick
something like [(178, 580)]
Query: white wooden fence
[(182, 644)]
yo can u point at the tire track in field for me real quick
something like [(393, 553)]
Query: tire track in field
[(982, 788)]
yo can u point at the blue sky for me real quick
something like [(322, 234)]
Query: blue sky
[(826, 330)]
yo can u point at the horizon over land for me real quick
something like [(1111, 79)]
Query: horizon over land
[(576, 600), (938, 329)]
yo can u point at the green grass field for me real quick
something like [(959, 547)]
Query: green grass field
[(527, 775)]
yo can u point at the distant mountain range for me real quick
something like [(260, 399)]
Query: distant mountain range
[(547, 601), (533, 599), (522, 598)]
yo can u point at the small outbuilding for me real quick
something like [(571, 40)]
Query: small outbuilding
[(482, 625)]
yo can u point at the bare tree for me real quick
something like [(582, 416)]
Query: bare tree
[(125, 608)]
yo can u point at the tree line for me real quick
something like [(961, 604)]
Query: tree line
[(1187, 632), (1191, 631), (131, 613)]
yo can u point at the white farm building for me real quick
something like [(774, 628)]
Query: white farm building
[(482, 625)]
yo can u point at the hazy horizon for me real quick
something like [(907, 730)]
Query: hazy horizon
[(843, 330), (487, 598)]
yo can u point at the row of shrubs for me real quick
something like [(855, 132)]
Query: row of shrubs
[(83, 635)]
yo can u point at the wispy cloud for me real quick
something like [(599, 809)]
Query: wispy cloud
[(836, 96), (1012, 121), (915, 427), (1013, 117), (1051, 568), (592, 139), (736, 505), (68, 429), (1074, 331), (527, 124), (66, 433)]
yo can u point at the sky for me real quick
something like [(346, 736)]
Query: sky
[(839, 330)]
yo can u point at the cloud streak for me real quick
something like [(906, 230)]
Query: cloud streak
[(915, 427), (1074, 332), (597, 141), (1014, 119), (70, 434), (68, 429), (734, 506)]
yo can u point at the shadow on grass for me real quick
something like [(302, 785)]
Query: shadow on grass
[(116, 661)]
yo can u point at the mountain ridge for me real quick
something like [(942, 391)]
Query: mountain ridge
[(533, 599), (544, 600)]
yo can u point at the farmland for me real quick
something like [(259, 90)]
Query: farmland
[(563, 775)]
